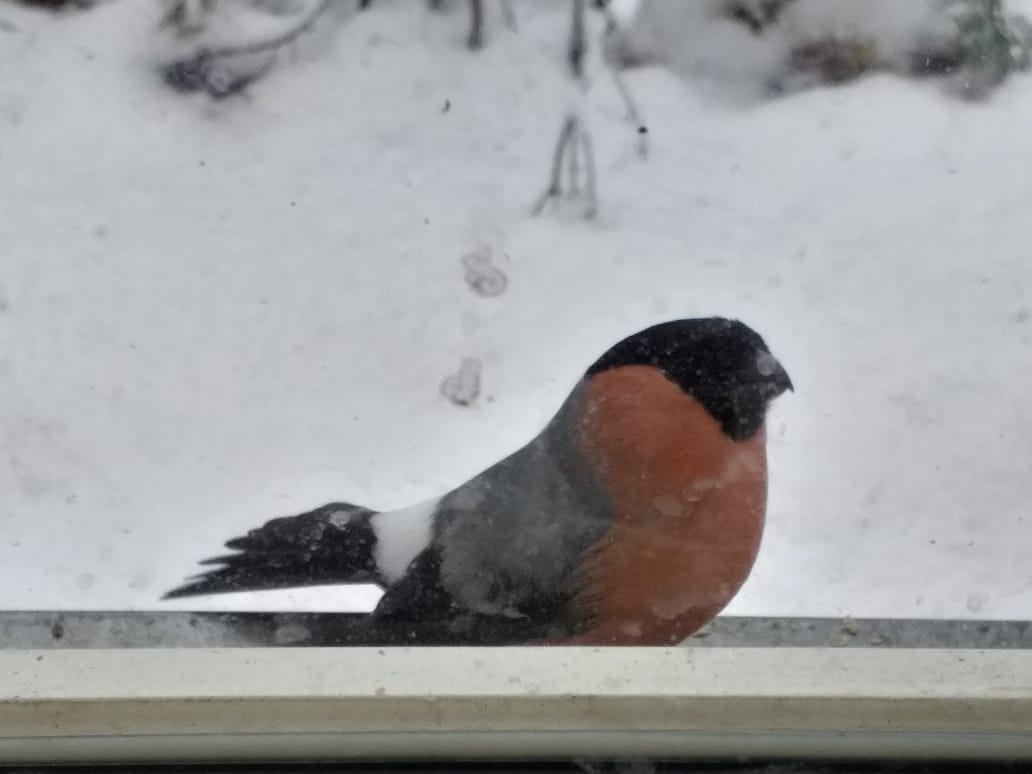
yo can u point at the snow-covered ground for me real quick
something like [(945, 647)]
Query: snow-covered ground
[(216, 313)]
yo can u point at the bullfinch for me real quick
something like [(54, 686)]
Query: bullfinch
[(633, 518)]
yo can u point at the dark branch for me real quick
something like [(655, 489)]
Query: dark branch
[(578, 46), (206, 70), (476, 25), (273, 44)]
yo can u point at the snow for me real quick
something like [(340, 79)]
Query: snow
[(213, 313)]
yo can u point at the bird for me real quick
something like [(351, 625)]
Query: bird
[(632, 518)]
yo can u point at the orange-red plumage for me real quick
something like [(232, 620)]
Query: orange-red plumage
[(689, 504)]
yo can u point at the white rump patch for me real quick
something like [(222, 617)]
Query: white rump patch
[(401, 535)]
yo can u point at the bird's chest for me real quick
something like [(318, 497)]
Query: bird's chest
[(656, 449), (688, 502)]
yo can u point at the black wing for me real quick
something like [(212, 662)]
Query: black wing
[(332, 544)]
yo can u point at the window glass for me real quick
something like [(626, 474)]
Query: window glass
[(262, 259)]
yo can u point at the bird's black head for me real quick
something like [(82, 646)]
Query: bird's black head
[(723, 364)]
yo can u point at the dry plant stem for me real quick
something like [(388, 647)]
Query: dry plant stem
[(632, 114), (476, 25), (577, 47), (630, 105), (573, 162), (574, 137), (273, 43), (554, 189), (590, 178)]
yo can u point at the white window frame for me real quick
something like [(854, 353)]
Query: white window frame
[(317, 704)]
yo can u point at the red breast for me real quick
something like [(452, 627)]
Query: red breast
[(689, 505)]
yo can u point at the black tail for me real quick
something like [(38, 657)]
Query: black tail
[(332, 544)]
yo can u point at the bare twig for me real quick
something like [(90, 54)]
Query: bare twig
[(590, 178), (574, 136), (206, 70), (578, 42), (475, 38), (574, 139), (632, 113), (554, 189), (573, 159), (630, 105), (475, 41), (277, 42)]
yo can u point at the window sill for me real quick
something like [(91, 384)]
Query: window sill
[(312, 704)]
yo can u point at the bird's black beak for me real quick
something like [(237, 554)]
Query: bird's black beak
[(774, 374), (783, 381)]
